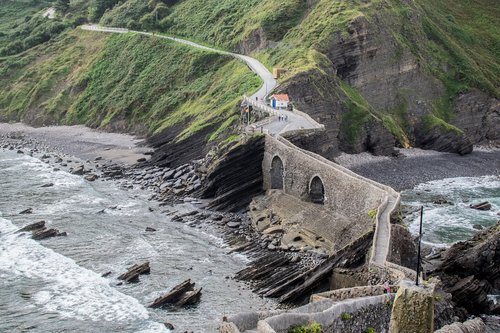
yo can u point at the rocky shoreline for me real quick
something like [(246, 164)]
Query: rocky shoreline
[(174, 192), (177, 191), (411, 167)]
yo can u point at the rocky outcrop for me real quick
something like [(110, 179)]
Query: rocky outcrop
[(470, 326), (133, 272), (441, 139), (237, 176), (478, 115), (181, 295), (470, 271), (403, 250), (391, 80), (315, 141), (172, 153)]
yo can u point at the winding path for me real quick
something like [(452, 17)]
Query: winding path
[(294, 120), (269, 83)]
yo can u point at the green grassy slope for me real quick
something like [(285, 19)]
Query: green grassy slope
[(125, 83), (456, 42)]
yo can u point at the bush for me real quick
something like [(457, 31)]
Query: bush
[(309, 328), (346, 316)]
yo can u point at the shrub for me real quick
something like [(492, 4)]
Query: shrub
[(346, 316), (309, 328)]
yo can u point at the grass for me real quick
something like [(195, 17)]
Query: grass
[(127, 83), (309, 328)]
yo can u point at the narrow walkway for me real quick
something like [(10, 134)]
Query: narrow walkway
[(383, 234), (294, 120), (269, 83)]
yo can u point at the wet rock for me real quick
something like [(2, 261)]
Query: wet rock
[(33, 226), (182, 294), (149, 229), (233, 224), (140, 160), (26, 211), (20, 152), (169, 326), (478, 227), (98, 158), (481, 206), (47, 185), (106, 274), (79, 170), (133, 272), (441, 201), (40, 234), (90, 177)]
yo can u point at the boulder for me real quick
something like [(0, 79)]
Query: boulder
[(26, 211), (481, 206), (149, 229), (79, 170), (182, 294), (33, 226), (90, 177), (133, 272), (475, 325), (47, 185), (44, 233)]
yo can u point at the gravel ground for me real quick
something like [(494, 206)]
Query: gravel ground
[(415, 166), (82, 142), (410, 168)]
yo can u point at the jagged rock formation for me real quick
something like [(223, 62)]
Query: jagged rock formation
[(470, 326), (237, 176), (470, 271), (403, 250)]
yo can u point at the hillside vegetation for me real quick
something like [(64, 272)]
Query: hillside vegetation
[(369, 70), (124, 83)]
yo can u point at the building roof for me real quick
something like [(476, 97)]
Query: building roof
[(281, 97)]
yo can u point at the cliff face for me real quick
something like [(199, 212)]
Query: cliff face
[(400, 92)]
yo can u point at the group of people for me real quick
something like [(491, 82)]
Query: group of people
[(283, 117)]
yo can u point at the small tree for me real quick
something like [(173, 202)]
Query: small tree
[(61, 5)]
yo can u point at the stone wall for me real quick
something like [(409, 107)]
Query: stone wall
[(344, 193), (350, 316), (355, 292)]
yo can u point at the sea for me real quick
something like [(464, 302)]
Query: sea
[(56, 285), (446, 223)]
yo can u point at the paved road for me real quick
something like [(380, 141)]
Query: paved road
[(294, 120), (269, 83)]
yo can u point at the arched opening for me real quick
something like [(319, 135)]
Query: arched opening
[(317, 191), (277, 173)]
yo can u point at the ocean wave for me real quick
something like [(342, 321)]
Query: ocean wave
[(70, 290)]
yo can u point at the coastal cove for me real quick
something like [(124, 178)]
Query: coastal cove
[(178, 251), (57, 283)]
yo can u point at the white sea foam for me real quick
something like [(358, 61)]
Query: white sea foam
[(70, 290), (447, 223)]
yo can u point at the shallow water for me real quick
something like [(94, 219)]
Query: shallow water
[(55, 285), (444, 224)]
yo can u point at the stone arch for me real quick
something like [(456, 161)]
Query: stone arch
[(317, 190), (277, 173)]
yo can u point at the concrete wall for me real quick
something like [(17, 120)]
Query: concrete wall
[(363, 313), (345, 193), (355, 292)]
